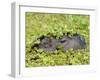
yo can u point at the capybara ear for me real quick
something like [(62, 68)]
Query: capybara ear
[(35, 45), (68, 33), (75, 34), (41, 38)]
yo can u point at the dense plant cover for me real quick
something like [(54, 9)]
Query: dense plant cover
[(39, 24)]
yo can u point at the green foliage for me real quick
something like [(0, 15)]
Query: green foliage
[(38, 24)]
